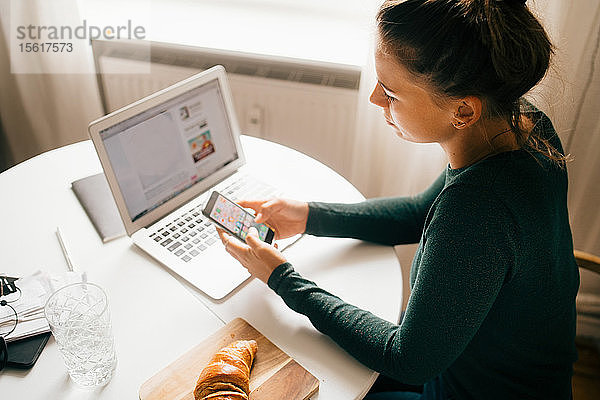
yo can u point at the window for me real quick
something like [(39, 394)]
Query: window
[(322, 30), (336, 9)]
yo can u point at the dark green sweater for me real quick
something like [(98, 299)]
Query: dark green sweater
[(494, 280)]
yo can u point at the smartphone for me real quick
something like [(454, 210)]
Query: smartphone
[(234, 219), (24, 353)]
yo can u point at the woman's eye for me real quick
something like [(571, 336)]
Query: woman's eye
[(389, 98)]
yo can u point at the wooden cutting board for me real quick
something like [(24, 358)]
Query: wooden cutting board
[(274, 375)]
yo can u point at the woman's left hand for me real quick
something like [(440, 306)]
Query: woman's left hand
[(258, 257)]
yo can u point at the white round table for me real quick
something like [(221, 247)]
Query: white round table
[(156, 317)]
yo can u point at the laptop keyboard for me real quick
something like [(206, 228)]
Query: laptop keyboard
[(192, 233)]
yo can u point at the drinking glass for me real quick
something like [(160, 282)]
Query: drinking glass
[(79, 318)]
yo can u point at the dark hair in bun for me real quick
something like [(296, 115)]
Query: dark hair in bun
[(496, 50)]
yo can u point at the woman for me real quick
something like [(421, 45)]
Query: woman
[(492, 309)]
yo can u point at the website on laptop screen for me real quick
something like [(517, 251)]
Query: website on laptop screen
[(166, 150)]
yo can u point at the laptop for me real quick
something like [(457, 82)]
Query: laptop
[(162, 157)]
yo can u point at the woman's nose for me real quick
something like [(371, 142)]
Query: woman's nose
[(377, 97)]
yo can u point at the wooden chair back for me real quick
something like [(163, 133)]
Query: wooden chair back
[(586, 371), (587, 261)]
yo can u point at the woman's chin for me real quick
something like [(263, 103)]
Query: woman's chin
[(394, 127), (399, 133), (405, 136)]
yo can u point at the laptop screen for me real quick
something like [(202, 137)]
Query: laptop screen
[(169, 148)]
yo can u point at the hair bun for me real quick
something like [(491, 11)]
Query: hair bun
[(516, 2)]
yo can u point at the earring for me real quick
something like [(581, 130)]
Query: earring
[(458, 124)]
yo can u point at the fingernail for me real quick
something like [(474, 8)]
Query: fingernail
[(253, 231)]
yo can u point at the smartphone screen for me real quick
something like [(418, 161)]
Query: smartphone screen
[(234, 218)]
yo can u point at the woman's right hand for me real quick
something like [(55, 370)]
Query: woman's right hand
[(286, 217)]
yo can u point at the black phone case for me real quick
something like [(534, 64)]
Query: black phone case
[(25, 352)]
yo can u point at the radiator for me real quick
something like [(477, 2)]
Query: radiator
[(308, 106)]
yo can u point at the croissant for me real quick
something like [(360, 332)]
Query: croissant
[(227, 375)]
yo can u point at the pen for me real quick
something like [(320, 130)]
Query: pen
[(63, 247)]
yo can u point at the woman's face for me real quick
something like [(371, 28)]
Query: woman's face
[(409, 108)]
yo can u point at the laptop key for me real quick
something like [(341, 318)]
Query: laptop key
[(174, 246), (210, 241), (176, 235), (158, 238), (183, 230), (201, 247), (166, 233), (186, 258), (185, 238), (193, 233), (204, 235), (166, 242), (194, 253), (196, 241), (179, 252), (188, 246), (181, 223), (173, 228)]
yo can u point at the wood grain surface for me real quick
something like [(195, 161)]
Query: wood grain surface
[(274, 375)]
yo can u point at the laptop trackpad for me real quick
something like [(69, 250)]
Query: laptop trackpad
[(216, 273)]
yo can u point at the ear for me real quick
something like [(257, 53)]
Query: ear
[(467, 112)]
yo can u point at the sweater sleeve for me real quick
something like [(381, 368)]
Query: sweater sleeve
[(466, 256), (390, 221)]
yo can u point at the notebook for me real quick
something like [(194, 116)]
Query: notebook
[(162, 157), (96, 198)]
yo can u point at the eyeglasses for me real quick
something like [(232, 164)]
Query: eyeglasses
[(9, 293)]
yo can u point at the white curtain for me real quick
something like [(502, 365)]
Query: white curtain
[(43, 111)]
